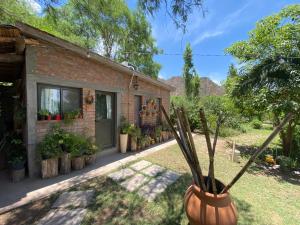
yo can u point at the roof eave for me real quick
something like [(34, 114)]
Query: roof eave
[(42, 35)]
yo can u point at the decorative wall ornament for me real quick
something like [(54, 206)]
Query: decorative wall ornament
[(89, 99)]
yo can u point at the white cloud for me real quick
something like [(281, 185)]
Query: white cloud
[(228, 22), (36, 7), (206, 35)]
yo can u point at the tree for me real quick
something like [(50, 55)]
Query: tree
[(190, 76), (195, 84), (179, 10), (187, 70), (138, 46), (270, 75), (105, 26)]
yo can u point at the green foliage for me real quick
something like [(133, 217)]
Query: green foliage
[(286, 163), (190, 76), (50, 147), (107, 27), (44, 112), (134, 131), (179, 10), (69, 117), (270, 75), (124, 126), (192, 107), (256, 124), (15, 150), (136, 41), (158, 130)]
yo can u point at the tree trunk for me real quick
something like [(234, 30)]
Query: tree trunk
[(287, 138)]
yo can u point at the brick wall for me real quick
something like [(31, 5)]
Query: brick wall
[(55, 62), (84, 125)]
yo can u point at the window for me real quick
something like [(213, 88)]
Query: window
[(58, 100), (103, 107)]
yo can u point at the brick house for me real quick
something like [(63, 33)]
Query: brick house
[(57, 75)]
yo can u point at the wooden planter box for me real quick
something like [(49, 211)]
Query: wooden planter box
[(90, 159), (65, 163), (78, 163), (49, 168)]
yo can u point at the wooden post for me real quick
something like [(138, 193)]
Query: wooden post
[(233, 150)]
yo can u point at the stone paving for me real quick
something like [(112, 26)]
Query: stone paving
[(148, 180), (75, 199), (68, 209)]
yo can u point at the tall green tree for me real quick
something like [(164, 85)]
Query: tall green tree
[(190, 76), (188, 70), (138, 46), (270, 75)]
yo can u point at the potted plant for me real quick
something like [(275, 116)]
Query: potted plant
[(69, 117), (124, 127), (134, 133), (164, 132), (143, 142), (16, 155), (44, 114), (207, 201), (49, 150), (157, 133), (65, 142), (90, 153), (78, 150)]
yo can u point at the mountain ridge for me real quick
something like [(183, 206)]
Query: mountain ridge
[(207, 86)]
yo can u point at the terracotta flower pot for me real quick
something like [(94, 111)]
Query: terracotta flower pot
[(204, 208)]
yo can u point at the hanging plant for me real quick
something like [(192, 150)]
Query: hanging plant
[(144, 107), (89, 99), (153, 113), (155, 107)]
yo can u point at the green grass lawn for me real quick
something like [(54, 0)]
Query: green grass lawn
[(264, 199)]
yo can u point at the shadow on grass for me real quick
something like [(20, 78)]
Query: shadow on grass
[(114, 205), (260, 167), (28, 214)]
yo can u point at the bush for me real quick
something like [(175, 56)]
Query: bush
[(286, 163), (256, 124), (192, 107), (50, 147)]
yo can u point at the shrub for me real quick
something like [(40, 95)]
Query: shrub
[(79, 145), (124, 126), (92, 148), (256, 124), (50, 147), (192, 106), (16, 152), (286, 163)]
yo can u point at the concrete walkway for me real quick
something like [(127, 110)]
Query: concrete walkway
[(13, 195)]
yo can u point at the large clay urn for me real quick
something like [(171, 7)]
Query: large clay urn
[(203, 208)]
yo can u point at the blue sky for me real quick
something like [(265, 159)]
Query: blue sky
[(225, 22)]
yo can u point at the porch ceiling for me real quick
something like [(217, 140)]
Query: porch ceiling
[(12, 47)]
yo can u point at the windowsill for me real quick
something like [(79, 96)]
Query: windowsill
[(56, 121)]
